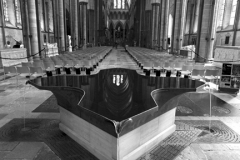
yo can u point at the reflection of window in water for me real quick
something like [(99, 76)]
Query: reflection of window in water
[(117, 79)]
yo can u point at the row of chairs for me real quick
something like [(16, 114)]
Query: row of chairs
[(62, 62), (150, 60), (51, 65), (155, 59), (88, 54), (140, 55)]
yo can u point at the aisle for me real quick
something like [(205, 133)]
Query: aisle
[(118, 58)]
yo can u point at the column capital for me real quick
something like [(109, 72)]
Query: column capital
[(155, 2)]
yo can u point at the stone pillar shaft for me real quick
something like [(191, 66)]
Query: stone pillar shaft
[(157, 23), (165, 26), (155, 18), (61, 26), (206, 29), (25, 27), (161, 25), (33, 28), (74, 24), (84, 23), (176, 37), (153, 25), (182, 24), (179, 25)]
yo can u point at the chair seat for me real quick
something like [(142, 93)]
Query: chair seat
[(37, 74), (178, 69), (58, 66), (86, 67), (68, 66), (158, 68), (50, 69), (211, 77), (185, 72), (24, 74), (168, 68), (147, 68), (197, 77), (77, 66), (12, 74)]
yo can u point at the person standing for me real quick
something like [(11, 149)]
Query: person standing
[(8, 45)]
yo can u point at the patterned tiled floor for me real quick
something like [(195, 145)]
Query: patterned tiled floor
[(41, 139)]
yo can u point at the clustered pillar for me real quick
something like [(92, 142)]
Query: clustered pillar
[(74, 25), (179, 20), (206, 29), (83, 17), (61, 26), (33, 32), (155, 22), (165, 25)]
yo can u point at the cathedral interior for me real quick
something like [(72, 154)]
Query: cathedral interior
[(120, 79)]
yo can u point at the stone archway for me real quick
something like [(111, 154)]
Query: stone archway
[(119, 33)]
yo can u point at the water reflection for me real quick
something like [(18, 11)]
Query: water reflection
[(117, 94)]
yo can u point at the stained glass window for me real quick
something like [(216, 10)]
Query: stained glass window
[(17, 11), (221, 13), (119, 4), (5, 10), (233, 12), (115, 4), (123, 4)]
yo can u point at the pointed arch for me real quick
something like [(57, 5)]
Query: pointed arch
[(119, 24)]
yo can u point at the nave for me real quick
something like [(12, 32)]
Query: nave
[(29, 124)]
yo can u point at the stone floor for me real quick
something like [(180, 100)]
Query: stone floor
[(25, 134)]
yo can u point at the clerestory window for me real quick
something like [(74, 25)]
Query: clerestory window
[(17, 11), (119, 4), (233, 12), (5, 10), (221, 13)]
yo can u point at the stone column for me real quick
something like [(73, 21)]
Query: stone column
[(74, 24), (83, 6), (161, 24), (25, 27), (165, 25), (3, 25), (206, 29), (179, 25), (157, 23), (182, 24), (140, 21), (96, 19), (33, 28), (61, 26), (155, 20), (213, 28)]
